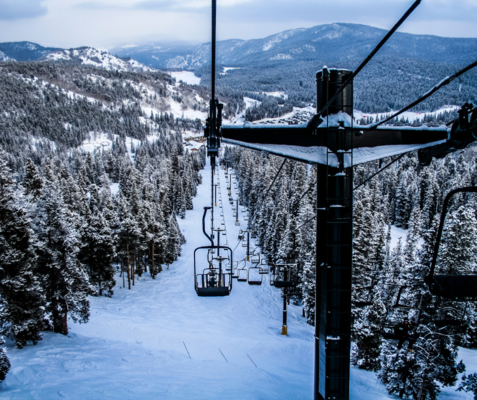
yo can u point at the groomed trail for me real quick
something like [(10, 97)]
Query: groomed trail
[(161, 341)]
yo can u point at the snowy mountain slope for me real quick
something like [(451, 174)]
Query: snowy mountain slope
[(161, 341), (97, 58), (24, 51), (27, 51), (4, 57), (335, 42)]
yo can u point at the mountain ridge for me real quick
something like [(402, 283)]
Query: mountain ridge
[(334, 42)]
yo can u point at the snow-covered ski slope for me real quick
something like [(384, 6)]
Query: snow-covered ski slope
[(137, 343)]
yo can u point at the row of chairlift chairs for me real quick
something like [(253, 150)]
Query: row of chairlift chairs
[(216, 278)]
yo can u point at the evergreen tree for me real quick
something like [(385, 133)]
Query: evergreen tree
[(468, 384), (65, 279), (32, 181), (368, 335), (4, 361), (101, 252), (20, 289)]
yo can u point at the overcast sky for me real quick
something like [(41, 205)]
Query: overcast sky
[(108, 23)]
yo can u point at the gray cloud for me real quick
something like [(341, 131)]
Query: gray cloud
[(93, 5), (312, 10), (19, 9), (154, 5)]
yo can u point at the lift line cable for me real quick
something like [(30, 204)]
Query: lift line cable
[(441, 84), (266, 194), (307, 191), (214, 24), (306, 222), (269, 188), (370, 56), (381, 170)]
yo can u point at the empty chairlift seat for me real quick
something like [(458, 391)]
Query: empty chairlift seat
[(242, 274), (456, 287), (281, 276), (254, 276), (255, 259), (215, 280)]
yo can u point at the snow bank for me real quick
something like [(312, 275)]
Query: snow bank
[(187, 77)]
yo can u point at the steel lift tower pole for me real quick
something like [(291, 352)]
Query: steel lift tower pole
[(334, 244)]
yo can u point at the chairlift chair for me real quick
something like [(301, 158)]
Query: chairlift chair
[(235, 270), (255, 259), (253, 235), (254, 276), (213, 281), (263, 270), (398, 304), (237, 223), (242, 274), (281, 277), (453, 287), (244, 244)]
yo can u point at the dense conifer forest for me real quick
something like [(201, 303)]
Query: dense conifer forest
[(70, 219)]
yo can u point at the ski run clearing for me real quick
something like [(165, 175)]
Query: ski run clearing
[(161, 341)]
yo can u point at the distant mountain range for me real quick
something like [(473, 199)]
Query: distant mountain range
[(405, 68), (333, 42)]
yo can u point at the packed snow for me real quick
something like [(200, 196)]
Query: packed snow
[(97, 58), (187, 77), (161, 341), (228, 69)]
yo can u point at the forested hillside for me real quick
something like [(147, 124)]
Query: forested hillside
[(388, 286), (71, 218)]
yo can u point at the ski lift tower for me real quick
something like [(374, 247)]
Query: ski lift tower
[(331, 141)]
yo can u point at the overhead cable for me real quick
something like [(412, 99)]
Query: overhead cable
[(370, 56), (441, 84)]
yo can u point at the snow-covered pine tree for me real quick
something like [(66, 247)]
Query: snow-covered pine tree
[(32, 181), (20, 289), (99, 245), (368, 329), (65, 279), (468, 384), (4, 361)]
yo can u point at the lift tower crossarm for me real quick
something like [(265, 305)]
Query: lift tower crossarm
[(308, 144)]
